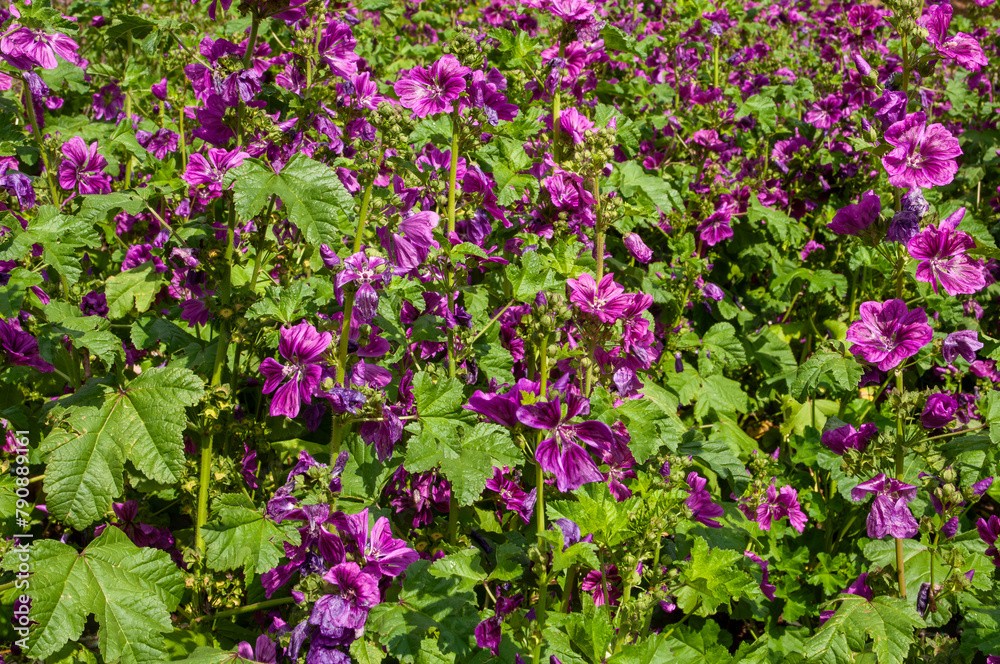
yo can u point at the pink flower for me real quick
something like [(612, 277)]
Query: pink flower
[(923, 155), (606, 301), (83, 168), (780, 503), (302, 347), (38, 48), (943, 261), (427, 91), (888, 333)]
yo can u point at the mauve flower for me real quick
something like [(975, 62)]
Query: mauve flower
[(108, 102), (488, 634), (39, 48), (943, 261), (962, 48), (572, 11), (427, 91), (382, 554), (890, 108), (887, 333), (575, 124), (560, 453), (963, 343), (904, 227), (94, 303), (20, 348), (567, 190), (779, 503), (302, 346), (939, 410), (890, 514), (638, 248), (923, 155), (369, 273), (604, 586), (83, 168), (716, 227), (607, 301), (856, 218), (18, 184), (824, 113), (766, 586), (485, 94), (989, 532), (860, 588), (336, 48), (206, 172), (357, 592), (700, 502), (809, 247), (159, 90), (265, 651), (847, 437), (159, 143)]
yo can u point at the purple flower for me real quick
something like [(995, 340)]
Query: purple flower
[(890, 108), (890, 514), (485, 95), (809, 247), (83, 168), (383, 555), (159, 90), (766, 586), (427, 91), (716, 228), (607, 301), (943, 261), (860, 588), (989, 532), (302, 346), (923, 155), (604, 586), (847, 437), (857, 217), (108, 102), (638, 248), (887, 333), (700, 502), (939, 410), (368, 272), (209, 171), (575, 124), (20, 348), (571, 11), (159, 143), (357, 592), (779, 503), (265, 651), (39, 48), (336, 48), (18, 184), (94, 303), (963, 343), (903, 227), (488, 634), (561, 454), (501, 408)]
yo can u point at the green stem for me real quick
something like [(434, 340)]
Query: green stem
[(656, 567), (557, 110), (900, 434), (29, 103), (715, 64), (249, 608), (567, 595), (543, 579), (598, 228), (261, 237), (450, 270)]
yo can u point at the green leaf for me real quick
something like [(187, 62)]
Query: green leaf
[(888, 621), (596, 511), (466, 458), (690, 646), (242, 536), (130, 290), (426, 605), (841, 372), (129, 591), (282, 303), (713, 580), (762, 108), (316, 200), (650, 427), (102, 427), (530, 277), (465, 565)]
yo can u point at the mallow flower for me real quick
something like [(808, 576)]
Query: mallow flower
[(83, 169), (941, 251), (430, 90), (923, 155), (302, 346), (887, 333), (963, 343), (890, 513), (857, 217)]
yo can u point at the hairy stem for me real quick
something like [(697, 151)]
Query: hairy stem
[(543, 579), (29, 103), (598, 228), (450, 269), (900, 434)]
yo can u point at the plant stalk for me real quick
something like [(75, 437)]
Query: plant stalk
[(900, 434), (37, 133)]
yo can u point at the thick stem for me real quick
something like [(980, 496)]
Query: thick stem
[(37, 133), (450, 270), (556, 110), (543, 579), (249, 608), (900, 434), (598, 228), (715, 63)]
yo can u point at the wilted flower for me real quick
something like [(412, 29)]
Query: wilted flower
[(963, 343), (939, 411)]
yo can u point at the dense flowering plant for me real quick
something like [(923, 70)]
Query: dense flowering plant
[(515, 331)]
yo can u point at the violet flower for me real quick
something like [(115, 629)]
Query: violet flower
[(39, 48), (560, 453), (780, 503), (939, 411), (382, 554), (923, 155), (766, 586), (20, 348), (941, 251), (700, 502), (430, 90), (206, 171), (607, 301), (604, 586), (357, 592), (368, 272), (336, 48), (841, 439), (83, 168), (989, 532), (637, 248), (888, 333), (488, 634), (890, 514), (302, 346), (858, 217), (963, 343)]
